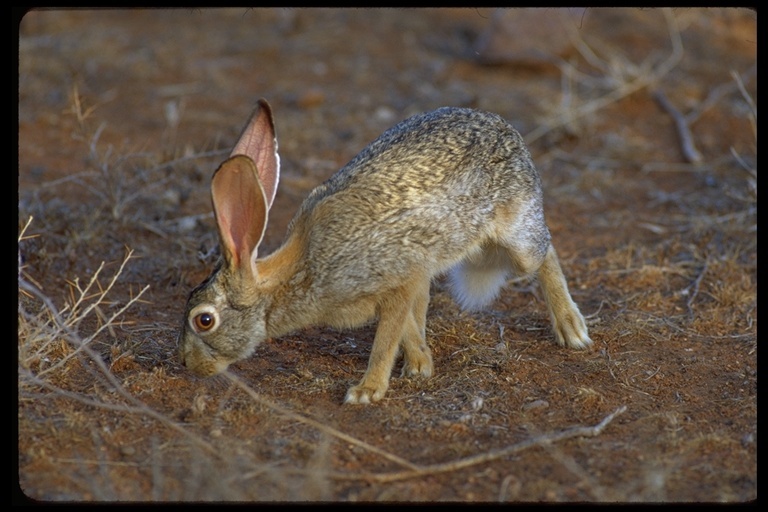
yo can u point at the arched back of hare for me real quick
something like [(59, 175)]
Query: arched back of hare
[(450, 191)]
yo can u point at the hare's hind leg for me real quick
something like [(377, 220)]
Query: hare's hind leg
[(401, 320), (521, 230), (567, 322), (528, 255)]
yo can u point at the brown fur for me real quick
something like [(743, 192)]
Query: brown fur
[(452, 190)]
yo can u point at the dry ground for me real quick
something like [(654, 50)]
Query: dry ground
[(123, 115)]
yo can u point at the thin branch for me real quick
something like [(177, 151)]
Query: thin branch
[(743, 163), (743, 90), (690, 152), (588, 108), (63, 324), (718, 92), (684, 121), (69, 324), (137, 407), (695, 286), (482, 458), (316, 424)]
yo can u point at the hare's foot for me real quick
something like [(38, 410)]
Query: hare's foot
[(366, 392), (418, 360), (570, 328)]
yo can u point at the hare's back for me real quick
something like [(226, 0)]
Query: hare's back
[(424, 194), (447, 151)]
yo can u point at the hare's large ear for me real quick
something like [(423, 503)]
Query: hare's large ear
[(241, 208), (258, 141)]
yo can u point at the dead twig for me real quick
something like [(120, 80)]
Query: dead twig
[(683, 122), (747, 97), (695, 292), (316, 424), (446, 467), (413, 470), (719, 91), (690, 152)]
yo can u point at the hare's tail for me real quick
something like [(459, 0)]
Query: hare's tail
[(476, 281)]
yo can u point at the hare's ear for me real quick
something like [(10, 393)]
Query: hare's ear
[(258, 141), (240, 205)]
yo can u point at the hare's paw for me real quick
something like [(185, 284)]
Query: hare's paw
[(417, 362), (571, 330), (365, 393)]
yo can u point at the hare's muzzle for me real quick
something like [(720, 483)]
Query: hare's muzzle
[(198, 361)]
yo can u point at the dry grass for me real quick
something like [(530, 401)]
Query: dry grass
[(617, 76), (64, 365)]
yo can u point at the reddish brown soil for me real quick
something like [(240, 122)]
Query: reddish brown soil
[(123, 115)]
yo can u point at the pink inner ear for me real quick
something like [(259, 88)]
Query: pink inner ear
[(258, 142), (241, 210)]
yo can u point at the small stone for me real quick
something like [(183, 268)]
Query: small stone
[(536, 404), (127, 451)]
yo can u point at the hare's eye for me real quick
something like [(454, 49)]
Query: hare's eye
[(204, 321)]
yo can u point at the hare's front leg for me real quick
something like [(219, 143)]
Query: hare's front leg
[(396, 323), (417, 356)]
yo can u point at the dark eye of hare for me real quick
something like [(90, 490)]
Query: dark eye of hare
[(204, 321)]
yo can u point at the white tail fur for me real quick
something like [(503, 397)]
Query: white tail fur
[(476, 281)]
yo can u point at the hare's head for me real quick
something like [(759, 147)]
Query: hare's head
[(224, 320)]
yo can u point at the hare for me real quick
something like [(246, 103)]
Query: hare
[(450, 191)]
